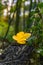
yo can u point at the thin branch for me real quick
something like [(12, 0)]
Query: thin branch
[(10, 20)]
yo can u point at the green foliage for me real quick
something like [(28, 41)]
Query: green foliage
[(40, 5), (13, 9), (3, 27)]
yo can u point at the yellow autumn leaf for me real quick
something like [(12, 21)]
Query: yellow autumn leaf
[(21, 37)]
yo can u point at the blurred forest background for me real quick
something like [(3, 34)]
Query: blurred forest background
[(22, 15)]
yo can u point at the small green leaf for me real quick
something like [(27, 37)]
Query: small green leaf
[(40, 5)]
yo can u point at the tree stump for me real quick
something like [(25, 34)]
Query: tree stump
[(17, 55)]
